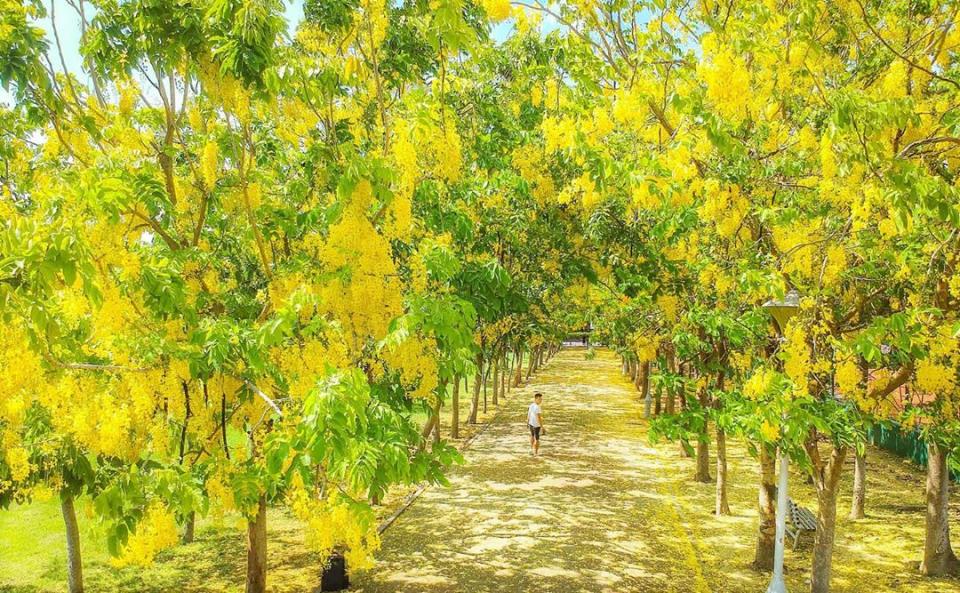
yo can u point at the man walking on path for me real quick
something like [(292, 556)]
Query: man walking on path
[(535, 422)]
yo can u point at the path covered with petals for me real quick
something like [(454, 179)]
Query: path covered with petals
[(593, 513)]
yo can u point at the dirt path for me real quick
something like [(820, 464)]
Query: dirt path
[(593, 513)]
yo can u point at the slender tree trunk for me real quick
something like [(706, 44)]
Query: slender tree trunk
[(530, 363), (486, 378), (703, 443), (645, 388), (74, 561), (257, 549), (504, 374), (703, 459), (518, 368), (767, 532), (671, 368), (477, 382), (632, 369), (624, 365), (723, 505), (455, 410), (859, 486), (938, 556), (189, 528), (436, 411), (496, 380), (827, 482)]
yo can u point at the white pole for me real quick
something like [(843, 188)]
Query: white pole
[(778, 585)]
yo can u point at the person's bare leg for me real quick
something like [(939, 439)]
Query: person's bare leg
[(533, 446), (536, 446)]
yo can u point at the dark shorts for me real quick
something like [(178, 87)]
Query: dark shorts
[(534, 431)]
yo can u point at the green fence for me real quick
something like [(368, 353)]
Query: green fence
[(905, 444)]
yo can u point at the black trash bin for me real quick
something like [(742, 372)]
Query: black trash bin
[(334, 576)]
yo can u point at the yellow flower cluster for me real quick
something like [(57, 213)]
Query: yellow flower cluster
[(713, 278), (935, 378), (642, 198), (305, 364), (646, 347), (530, 166), (416, 359), (559, 134), (796, 356), (796, 243), (209, 164), (760, 384), (726, 77), (585, 188), (335, 525), (849, 379), (497, 10), (769, 430), (18, 460), (445, 146), (366, 296), (156, 531), (405, 157), (725, 207), (679, 160), (670, 305)]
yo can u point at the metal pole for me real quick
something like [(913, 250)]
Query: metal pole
[(777, 584)]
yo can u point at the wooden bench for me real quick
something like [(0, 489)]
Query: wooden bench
[(799, 520)]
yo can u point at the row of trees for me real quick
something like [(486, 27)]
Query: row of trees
[(725, 153), (235, 264)]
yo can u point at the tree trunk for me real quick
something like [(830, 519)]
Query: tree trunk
[(475, 402), (257, 549), (624, 367), (504, 374), (496, 380), (455, 410), (189, 527), (827, 481), (723, 505), (518, 368), (530, 363), (703, 459), (671, 368), (74, 562), (767, 532), (632, 370), (486, 378), (703, 442), (645, 388), (859, 486), (938, 556), (436, 413)]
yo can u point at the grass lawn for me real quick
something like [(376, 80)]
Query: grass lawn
[(33, 549)]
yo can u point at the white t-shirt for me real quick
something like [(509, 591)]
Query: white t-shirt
[(533, 415)]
